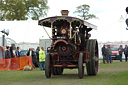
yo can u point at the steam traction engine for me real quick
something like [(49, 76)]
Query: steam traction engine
[(71, 46)]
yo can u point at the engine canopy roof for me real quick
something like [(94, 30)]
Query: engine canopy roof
[(57, 20)]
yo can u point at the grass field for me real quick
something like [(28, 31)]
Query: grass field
[(109, 74)]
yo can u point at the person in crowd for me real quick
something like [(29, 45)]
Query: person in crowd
[(32, 54), (126, 52), (42, 58), (120, 52), (8, 56), (37, 53), (7, 52), (109, 52), (11, 52), (104, 53), (17, 53)]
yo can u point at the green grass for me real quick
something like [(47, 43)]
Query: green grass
[(109, 74)]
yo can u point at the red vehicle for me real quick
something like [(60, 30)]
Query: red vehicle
[(115, 54)]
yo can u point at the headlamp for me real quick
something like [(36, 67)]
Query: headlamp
[(63, 31)]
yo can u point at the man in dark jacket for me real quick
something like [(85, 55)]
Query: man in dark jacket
[(8, 56), (7, 53), (120, 52), (109, 53), (37, 53), (11, 52), (104, 53), (126, 52), (17, 53)]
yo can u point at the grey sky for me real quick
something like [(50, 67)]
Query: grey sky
[(108, 12)]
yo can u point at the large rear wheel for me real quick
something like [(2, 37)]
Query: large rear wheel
[(80, 66), (57, 70), (92, 65), (47, 66)]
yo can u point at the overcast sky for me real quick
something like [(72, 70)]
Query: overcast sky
[(108, 26)]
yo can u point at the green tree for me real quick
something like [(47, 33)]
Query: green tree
[(83, 11), (23, 9)]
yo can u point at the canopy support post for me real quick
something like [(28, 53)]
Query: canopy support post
[(47, 33)]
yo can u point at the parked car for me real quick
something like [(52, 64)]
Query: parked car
[(115, 53), (23, 53)]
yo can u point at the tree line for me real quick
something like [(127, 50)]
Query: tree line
[(33, 9)]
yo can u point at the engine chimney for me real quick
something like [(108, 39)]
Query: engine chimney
[(64, 12)]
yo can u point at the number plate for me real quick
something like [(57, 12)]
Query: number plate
[(113, 56)]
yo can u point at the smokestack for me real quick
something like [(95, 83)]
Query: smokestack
[(64, 12)]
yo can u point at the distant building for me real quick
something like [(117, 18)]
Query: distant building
[(26, 45), (8, 42), (45, 43), (11, 42)]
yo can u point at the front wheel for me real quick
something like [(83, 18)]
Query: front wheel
[(80, 66), (47, 66)]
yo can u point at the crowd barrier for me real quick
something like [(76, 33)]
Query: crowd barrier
[(15, 63)]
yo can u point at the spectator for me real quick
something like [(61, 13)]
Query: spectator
[(32, 54), (7, 53), (37, 53), (120, 52), (109, 52), (11, 52), (17, 53), (104, 53), (42, 58), (126, 52), (8, 56)]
